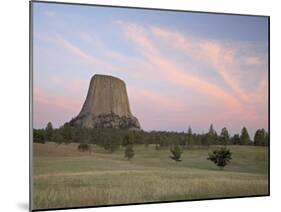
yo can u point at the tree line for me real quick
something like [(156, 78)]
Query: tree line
[(111, 139)]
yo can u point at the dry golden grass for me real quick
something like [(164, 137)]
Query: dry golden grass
[(54, 150), (64, 177)]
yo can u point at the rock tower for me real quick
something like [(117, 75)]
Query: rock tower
[(106, 105)]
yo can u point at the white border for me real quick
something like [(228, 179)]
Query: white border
[(14, 87)]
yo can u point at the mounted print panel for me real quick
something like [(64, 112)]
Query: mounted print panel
[(136, 105)]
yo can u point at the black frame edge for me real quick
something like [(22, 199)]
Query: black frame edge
[(30, 106), (145, 8)]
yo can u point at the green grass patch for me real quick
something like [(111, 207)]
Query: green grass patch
[(101, 178)]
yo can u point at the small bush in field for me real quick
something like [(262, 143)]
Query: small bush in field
[(83, 147), (129, 152), (221, 157), (157, 147), (176, 153)]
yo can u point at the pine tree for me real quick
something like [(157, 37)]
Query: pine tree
[(157, 141), (221, 157), (57, 137), (49, 132), (38, 136), (211, 136), (245, 138), (224, 136), (66, 132), (260, 138), (128, 139), (111, 142), (189, 137), (236, 139), (211, 130), (266, 139)]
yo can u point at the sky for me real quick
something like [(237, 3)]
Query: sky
[(181, 68)]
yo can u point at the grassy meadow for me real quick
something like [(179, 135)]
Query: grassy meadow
[(65, 177)]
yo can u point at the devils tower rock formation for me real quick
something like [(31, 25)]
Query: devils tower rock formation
[(106, 105)]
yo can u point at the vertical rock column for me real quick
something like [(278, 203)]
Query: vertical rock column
[(106, 105)]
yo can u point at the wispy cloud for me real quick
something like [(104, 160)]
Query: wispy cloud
[(233, 101), (254, 60), (173, 78), (169, 70), (219, 55), (83, 56), (134, 66)]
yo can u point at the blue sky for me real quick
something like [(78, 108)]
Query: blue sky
[(190, 68)]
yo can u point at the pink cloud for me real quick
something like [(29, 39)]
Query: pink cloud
[(83, 56), (124, 63), (78, 84), (49, 106), (157, 98), (56, 80), (97, 43), (135, 66), (227, 58), (221, 56), (169, 70), (162, 111), (156, 110), (216, 54), (253, 60), (75, 88)]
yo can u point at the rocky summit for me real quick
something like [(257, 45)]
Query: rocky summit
[(106, 105)]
